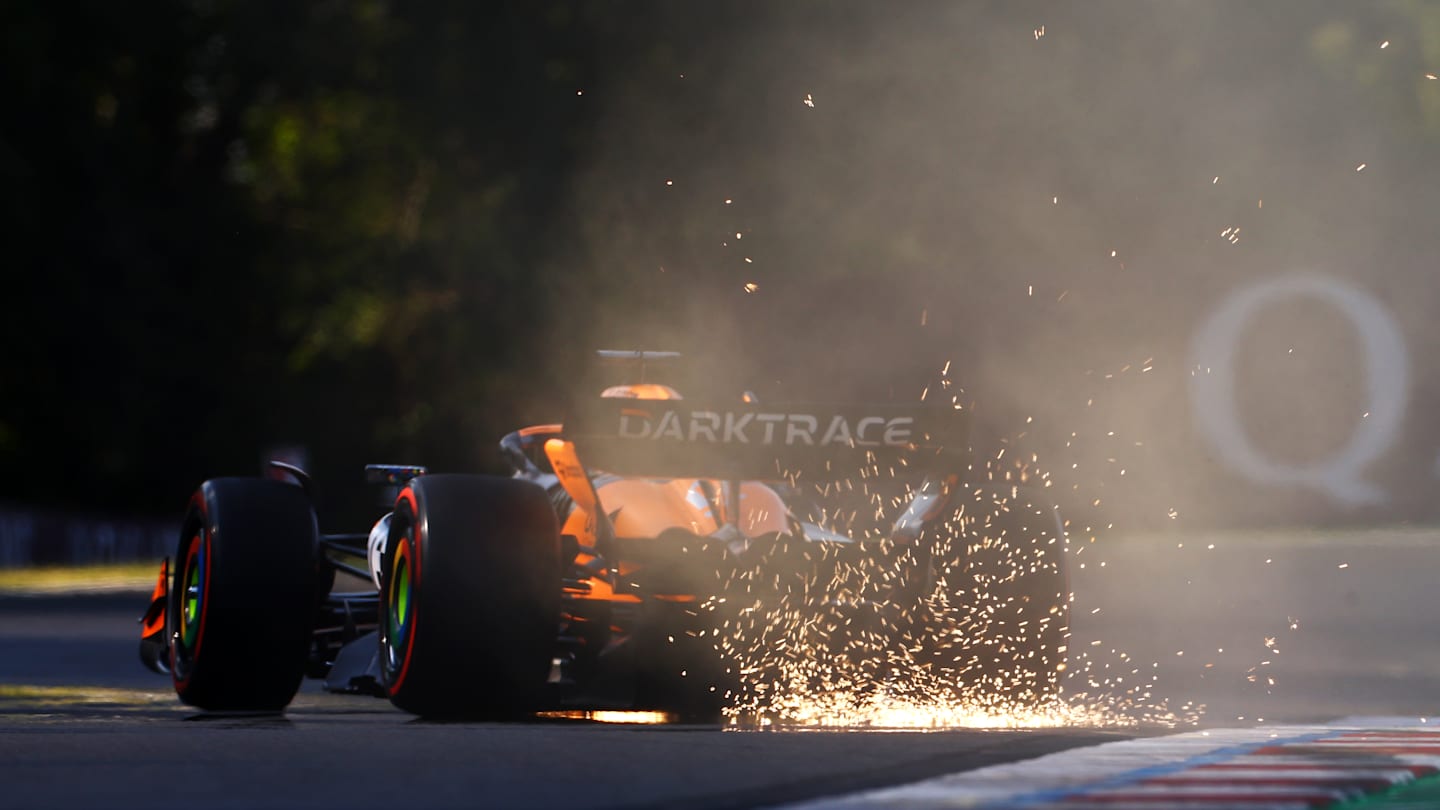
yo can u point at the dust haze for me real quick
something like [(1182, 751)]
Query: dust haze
[(837, 200), (1051, 201)]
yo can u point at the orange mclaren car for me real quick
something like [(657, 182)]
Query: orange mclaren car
[(582, 581)]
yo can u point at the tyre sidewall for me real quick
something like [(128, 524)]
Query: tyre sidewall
[(483, 609), (260, 548)]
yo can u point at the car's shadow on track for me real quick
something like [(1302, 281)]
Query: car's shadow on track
[(265, 720)]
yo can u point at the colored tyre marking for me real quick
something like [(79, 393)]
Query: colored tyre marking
[(194, 579), (398, 612), (407, 558)]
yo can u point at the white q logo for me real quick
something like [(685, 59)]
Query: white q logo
[(1386, 376)]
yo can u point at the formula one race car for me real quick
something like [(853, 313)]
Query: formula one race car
[(589, 579)]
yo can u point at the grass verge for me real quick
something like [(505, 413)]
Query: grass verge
[(51, 580)]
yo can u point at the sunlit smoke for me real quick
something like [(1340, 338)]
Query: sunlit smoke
[(968, 626)]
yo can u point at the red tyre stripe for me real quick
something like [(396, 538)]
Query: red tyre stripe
[(412, 539), (199, 500)]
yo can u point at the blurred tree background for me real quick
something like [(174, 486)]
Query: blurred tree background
[(394, 231)]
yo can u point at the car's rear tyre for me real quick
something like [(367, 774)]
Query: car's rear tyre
[(242, 597), (470, 597)]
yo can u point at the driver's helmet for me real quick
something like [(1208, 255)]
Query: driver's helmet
[(641, 391)]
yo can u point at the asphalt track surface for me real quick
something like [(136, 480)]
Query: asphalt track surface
[(1333, 625)]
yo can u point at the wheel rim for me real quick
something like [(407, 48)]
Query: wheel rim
[(192, 606), (399, 611), (193, 598)]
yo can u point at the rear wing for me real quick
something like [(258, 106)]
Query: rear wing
[(749, 441)]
